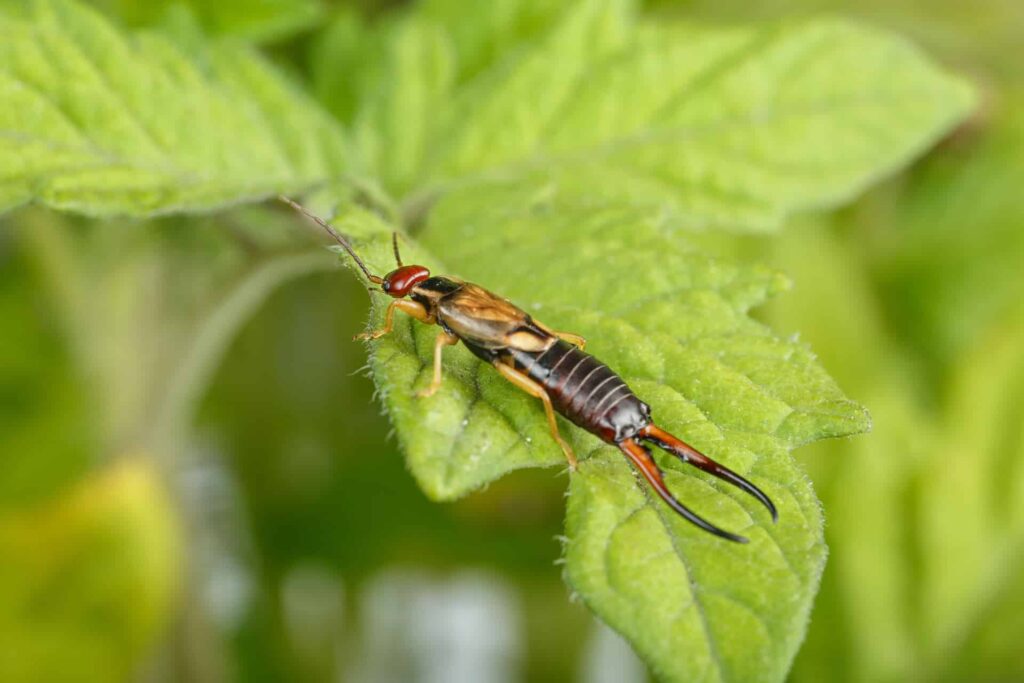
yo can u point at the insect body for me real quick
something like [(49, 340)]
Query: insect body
[(547, 364)]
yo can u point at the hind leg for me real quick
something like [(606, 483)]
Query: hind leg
[(534, 389)]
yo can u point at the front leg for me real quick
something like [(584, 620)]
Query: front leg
[(408, 307), (443, 339)]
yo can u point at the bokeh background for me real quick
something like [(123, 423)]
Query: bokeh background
[(279, 537)]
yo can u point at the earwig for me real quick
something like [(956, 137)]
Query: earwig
[(549, 365)]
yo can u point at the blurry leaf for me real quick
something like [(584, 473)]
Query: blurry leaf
[(420, 51), (956, 242), (258, 20), (486, 33), (992, 650), (393, 127), (402, 67), (868, 537), (972, 499), (985, 35), (214, 331), (263, 20), (346, 60), (680, 334), (102, 123), (88, 580), (46, 425), (725, 127)]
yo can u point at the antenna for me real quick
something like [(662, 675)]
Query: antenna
[(394, 244), (337, 237)]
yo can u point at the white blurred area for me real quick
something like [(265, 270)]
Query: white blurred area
[(415, 627), (462, 629), (404, 625), (608, 658)]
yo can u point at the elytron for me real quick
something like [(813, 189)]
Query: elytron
[(547, 364)]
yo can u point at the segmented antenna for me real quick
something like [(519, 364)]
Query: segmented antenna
[(394, 245), (337, 237)]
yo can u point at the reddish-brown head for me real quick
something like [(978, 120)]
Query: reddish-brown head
[(400, 282)]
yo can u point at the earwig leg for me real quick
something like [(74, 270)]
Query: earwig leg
[(529, 386), (443, 339), (574, 339), (641, 457), (692, 456), (410, 308)]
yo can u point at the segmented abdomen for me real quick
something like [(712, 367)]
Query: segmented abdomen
[(585, 390)]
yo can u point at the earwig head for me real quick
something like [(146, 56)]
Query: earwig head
[(399, 282)]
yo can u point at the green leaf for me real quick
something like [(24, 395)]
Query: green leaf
[(486, 33), (393, 126), (345, 62), (693, 607), (258, 20), (101, 122), (725, 127), (982, 37), (674, 323)]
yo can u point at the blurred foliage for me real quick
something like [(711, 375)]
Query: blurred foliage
[(258, 20), (88, 578), (911, 299)]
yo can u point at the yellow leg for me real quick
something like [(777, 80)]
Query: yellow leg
[(574, 339), (410, 308), (531, 387), (443, 339)]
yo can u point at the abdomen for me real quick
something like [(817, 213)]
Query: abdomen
[(584, 390)]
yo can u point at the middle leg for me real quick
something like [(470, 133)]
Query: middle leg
[(443, 339)]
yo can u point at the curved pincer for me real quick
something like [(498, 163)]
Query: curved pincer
[(692, 456), (642, 459)]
